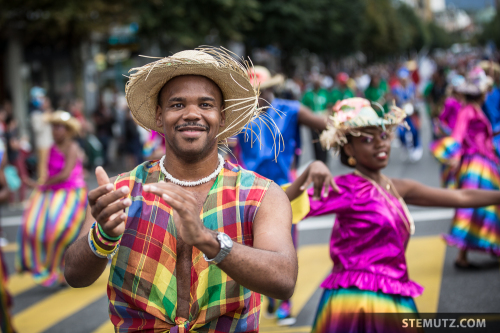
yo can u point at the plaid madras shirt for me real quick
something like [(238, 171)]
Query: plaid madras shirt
[(142, 287)]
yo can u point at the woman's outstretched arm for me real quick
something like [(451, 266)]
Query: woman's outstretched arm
[(415, 193), (318, 174)]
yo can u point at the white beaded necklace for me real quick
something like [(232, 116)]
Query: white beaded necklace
[(194, 183)]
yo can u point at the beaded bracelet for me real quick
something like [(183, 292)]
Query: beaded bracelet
[(92, 247), (103, 240), (103, 234), (100, 249), (97, 250)]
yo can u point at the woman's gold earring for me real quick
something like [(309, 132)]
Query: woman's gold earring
[(351, 161)]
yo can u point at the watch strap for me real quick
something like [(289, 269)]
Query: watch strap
[(223, 252)]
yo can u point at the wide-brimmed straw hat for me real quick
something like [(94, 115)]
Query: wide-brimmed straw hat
[(260, 75), (351, 115), (219, 65), (66, 119)]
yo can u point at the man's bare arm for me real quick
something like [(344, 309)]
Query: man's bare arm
[(270, 267), (307, 118)]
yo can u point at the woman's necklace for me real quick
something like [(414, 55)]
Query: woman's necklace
[(407, 218), (193, 183)]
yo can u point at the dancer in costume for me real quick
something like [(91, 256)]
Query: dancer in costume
[(471, 156), (196, 240), (373, 225), (272, 153), (56, 210), (6, 325)]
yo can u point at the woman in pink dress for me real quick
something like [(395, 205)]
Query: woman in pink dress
[(471, 158), (56, 211), (369, 288)]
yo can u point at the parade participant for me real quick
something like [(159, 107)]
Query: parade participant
[(405, 94), (435, 95), (373, 224), (470, 154), (342, 90), (194, 247), (54, 216), (443, 125), (6, 325), (377, 92), (317, 99), (491, 106), (272, 159)]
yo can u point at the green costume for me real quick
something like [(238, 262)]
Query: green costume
[(317, 101)]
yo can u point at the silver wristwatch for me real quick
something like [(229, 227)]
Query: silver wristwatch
[(226, 244)]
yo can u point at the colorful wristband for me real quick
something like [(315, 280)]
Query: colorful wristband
[(103, 234), (103, 239), (99, 249), (92, 247)]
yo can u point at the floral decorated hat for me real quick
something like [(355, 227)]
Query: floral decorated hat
[(351, 115)]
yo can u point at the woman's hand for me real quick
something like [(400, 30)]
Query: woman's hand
[(319, 174)]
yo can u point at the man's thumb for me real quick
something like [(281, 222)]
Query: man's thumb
[(102, 176)]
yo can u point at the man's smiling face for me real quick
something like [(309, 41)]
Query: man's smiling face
[(189, 110)]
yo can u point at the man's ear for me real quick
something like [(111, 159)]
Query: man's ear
[(158, 117), (222, 116)]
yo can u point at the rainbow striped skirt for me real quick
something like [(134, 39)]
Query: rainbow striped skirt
[(472, 228), (50, 224), (477, 228), (347, 310)]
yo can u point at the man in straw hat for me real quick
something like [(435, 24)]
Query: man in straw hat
[(274, 159), (192, 247)]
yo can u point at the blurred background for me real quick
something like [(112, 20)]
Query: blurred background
[(75, 55)]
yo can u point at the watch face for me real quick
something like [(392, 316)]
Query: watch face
[(226, 240)]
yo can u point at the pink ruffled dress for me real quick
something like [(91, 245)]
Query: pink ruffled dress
[(367, 246)]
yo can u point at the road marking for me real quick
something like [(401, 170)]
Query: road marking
[(11, 221), (326, 221), (314, 265), (11, 247), (19, 283), (45, 314), (425, 258)]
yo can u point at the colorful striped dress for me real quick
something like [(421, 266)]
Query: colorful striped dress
[(479, 168), (369, 289), (51, 222), (142, 286)]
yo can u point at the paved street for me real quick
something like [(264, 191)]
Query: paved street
[(59, 309)]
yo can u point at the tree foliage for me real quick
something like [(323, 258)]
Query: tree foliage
[(189, 23), (330, 28), (492, 30), (321, 26), (50, 21)]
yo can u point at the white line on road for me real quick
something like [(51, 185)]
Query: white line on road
[(312, 223), (10, 221), (326, 222)]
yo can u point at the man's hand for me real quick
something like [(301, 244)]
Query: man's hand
[(106, 205), (319, 174), (186, 213)]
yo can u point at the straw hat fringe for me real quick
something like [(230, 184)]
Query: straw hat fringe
[(230, 72)]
